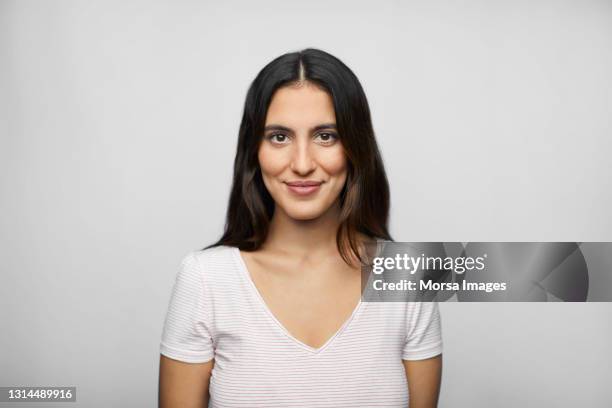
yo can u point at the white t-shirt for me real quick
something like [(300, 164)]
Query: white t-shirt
[(217, 312)]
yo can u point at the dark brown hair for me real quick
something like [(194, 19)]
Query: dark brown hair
[(364, 198)]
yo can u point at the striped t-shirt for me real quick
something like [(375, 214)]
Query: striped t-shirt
[(216, 311)]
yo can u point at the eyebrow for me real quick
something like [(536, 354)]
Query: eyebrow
[(286, 129)]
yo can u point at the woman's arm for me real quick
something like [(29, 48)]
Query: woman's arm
[(424, 378), (183, 385)]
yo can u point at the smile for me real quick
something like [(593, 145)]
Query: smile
[(303, 188)]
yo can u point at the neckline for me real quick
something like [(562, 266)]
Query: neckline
[(314, 350)]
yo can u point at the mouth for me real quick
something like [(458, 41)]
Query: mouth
[(303, 188)]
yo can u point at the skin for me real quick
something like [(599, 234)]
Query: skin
[(424, 379), (183, 385), (298, 271)]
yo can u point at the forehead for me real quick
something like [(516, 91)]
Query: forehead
[(305, 105)]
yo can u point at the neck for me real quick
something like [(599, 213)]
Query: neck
[(304, 237)]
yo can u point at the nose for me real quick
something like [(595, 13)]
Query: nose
[(302, 161)]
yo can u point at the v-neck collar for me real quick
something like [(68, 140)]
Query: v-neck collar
[(246, 274)]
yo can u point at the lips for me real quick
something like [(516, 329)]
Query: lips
[(303, 188)]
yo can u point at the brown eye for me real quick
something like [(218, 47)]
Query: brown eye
[(327, 138), (278, 138)]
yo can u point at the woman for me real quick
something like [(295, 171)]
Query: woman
[(271, 314)]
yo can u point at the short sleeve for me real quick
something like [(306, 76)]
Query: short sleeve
[(424, 331), (186, 334)]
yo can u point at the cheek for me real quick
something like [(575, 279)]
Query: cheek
[(272, 161), (333, 161)]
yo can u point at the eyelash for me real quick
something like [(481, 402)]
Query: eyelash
[(332, 134)]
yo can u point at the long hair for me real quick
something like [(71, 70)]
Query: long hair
[(364, 198)]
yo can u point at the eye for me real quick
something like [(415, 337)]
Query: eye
[(278, 138), (327, 138)]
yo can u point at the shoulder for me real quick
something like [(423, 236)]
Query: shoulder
[(209, 263), (215, 255)]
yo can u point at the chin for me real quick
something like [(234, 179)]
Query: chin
[(304, 212), (304, 215)]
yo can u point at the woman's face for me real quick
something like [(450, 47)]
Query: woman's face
[(302, 161)]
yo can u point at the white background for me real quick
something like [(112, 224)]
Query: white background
[(118, 125)]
